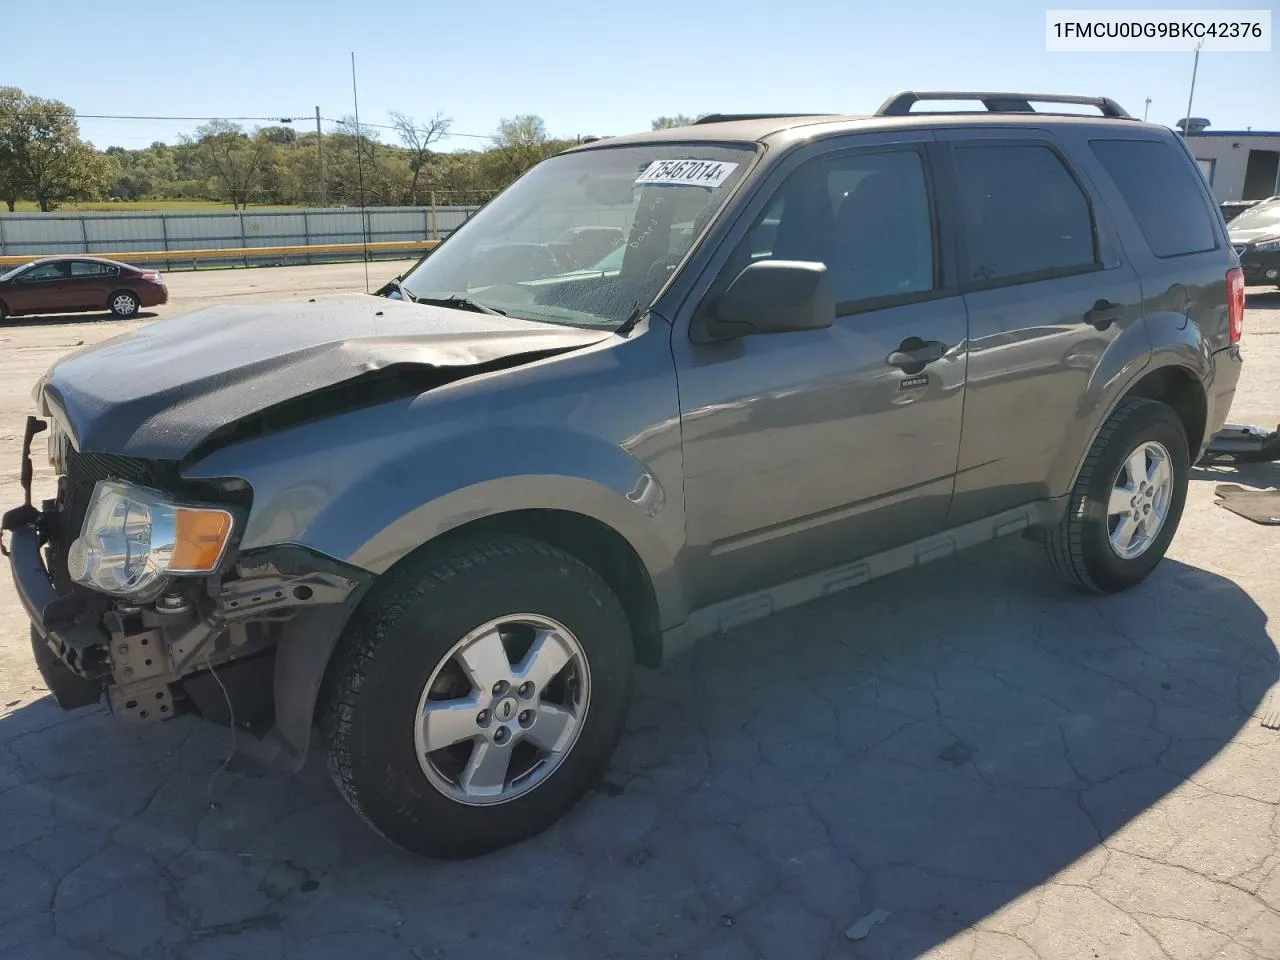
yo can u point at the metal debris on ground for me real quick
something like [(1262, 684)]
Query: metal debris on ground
[(1269, 713), (1260, 506), (863, 925)]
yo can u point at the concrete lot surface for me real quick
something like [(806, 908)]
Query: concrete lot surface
[(1009, 769)]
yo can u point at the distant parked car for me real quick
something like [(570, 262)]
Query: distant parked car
[(1255, 235), (77, 284)]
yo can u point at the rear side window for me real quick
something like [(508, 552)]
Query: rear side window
[(1161, 189), (81, 268), (1024, 214)]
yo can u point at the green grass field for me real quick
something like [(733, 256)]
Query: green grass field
[(140, 206)]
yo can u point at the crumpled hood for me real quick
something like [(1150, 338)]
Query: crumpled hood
[(159, 391)]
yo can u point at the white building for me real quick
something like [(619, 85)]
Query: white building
[(1239, 164)]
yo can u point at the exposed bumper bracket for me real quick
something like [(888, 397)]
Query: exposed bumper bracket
[(1237, 443)]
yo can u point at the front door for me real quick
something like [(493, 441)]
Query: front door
[(805, 449), (42, 289)]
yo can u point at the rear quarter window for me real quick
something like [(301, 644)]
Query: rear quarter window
[(1163, 191)]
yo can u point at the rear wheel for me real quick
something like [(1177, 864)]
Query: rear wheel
[(123, 303), (476, 697), (1127, 501)]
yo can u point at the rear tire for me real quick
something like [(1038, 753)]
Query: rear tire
[(1127, 500), (123, 303), (411, 649)]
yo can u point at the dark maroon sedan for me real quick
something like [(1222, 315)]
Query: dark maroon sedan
[(75, 284)]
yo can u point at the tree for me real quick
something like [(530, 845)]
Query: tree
[(231, 158), (417, 139), (679, 120), (43, 155), (519, 144), (10, 174), (528, 130)]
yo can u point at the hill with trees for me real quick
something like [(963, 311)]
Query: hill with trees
[(44, 160)]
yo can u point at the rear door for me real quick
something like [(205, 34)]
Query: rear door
[(1047, 294), (90, 283), (1170, 228)]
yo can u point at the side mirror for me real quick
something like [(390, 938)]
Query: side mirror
[(772, 296)]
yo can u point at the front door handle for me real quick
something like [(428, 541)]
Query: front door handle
[(913, 354), (1102, 314)]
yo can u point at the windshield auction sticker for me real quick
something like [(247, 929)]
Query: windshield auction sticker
[(687, 173)]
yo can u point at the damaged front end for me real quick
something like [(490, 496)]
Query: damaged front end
[(205, 644)]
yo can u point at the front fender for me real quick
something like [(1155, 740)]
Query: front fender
[(368, 498), (353, 490)]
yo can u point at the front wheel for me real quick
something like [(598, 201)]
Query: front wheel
[(477, 695), (1127, 501), (123, 304)]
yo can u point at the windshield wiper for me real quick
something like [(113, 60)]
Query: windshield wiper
[(460, 303), (624, 328), (398, 287)]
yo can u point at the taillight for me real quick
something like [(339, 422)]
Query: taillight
[(1235, 304)]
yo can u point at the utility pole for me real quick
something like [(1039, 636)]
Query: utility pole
[(1145, 107), (1191, 96), (320, 154)]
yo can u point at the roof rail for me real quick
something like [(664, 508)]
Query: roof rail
[(726, 117), (900, 104)]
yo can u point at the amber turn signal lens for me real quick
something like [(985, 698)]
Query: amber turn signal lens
[(200, 537)]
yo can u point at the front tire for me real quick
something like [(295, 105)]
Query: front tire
[(123, 304), (477, 695), (1127, 501)]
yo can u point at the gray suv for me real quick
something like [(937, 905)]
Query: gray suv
[(661, 386)]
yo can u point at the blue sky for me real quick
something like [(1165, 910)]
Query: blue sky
[(586, 66)]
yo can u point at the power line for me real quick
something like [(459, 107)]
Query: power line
[(287, 118), (108, 116), (388, 126), (277, 119)]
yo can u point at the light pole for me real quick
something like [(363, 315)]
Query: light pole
[(320, 157), (1146, 105), (1186, 129)]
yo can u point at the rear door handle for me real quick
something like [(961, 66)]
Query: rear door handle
[(913, 354), (1102, 314)]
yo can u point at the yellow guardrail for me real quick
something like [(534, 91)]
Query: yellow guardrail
[(241, 253)]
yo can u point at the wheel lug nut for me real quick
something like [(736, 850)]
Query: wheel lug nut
[(501, 734), (526, 689), (482, 718), (500, 688), (526, 717)]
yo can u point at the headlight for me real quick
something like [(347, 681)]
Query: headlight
[(1268, 245), (133, 537)]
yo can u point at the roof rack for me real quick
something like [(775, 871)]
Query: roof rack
[(900, 104), (727, 117)]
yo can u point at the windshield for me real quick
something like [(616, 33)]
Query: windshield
[(1265, 214), (10, 274), (585, 238)]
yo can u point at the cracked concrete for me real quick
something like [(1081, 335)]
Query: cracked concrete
[(1011, 769)]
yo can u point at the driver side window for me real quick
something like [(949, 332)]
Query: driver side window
[(46, 271), (867, 216)]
